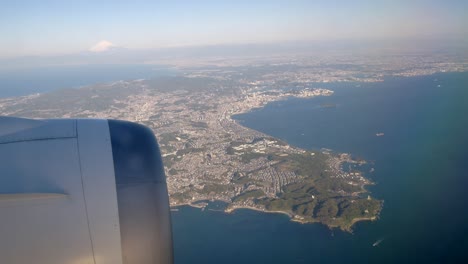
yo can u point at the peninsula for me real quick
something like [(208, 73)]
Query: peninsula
[(210, 156)]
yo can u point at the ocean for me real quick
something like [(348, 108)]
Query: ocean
[(421, 172), (24, 81)]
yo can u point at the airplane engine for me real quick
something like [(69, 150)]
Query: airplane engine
[(82, 191)]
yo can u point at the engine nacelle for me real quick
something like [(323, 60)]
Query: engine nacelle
[(82, 191)]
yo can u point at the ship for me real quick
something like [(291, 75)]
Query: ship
[(376, 243)]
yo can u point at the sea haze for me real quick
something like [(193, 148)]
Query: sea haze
[(420, 172), (24, 81)]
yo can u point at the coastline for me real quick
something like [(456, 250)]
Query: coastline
[(292, 217), (362, 219), (232, 208)]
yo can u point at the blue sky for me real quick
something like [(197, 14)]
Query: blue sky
[(60, 27)]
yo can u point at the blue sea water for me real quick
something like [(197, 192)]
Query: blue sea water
[(421, 172), (24, 81)]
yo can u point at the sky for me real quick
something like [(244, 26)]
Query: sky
[(63, 27)]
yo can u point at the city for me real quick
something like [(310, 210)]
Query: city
[(209, 156)]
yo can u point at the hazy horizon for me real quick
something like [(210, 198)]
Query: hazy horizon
[(456, 49), (55, 28)]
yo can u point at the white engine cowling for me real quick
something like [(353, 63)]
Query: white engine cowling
[(82, 191)]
